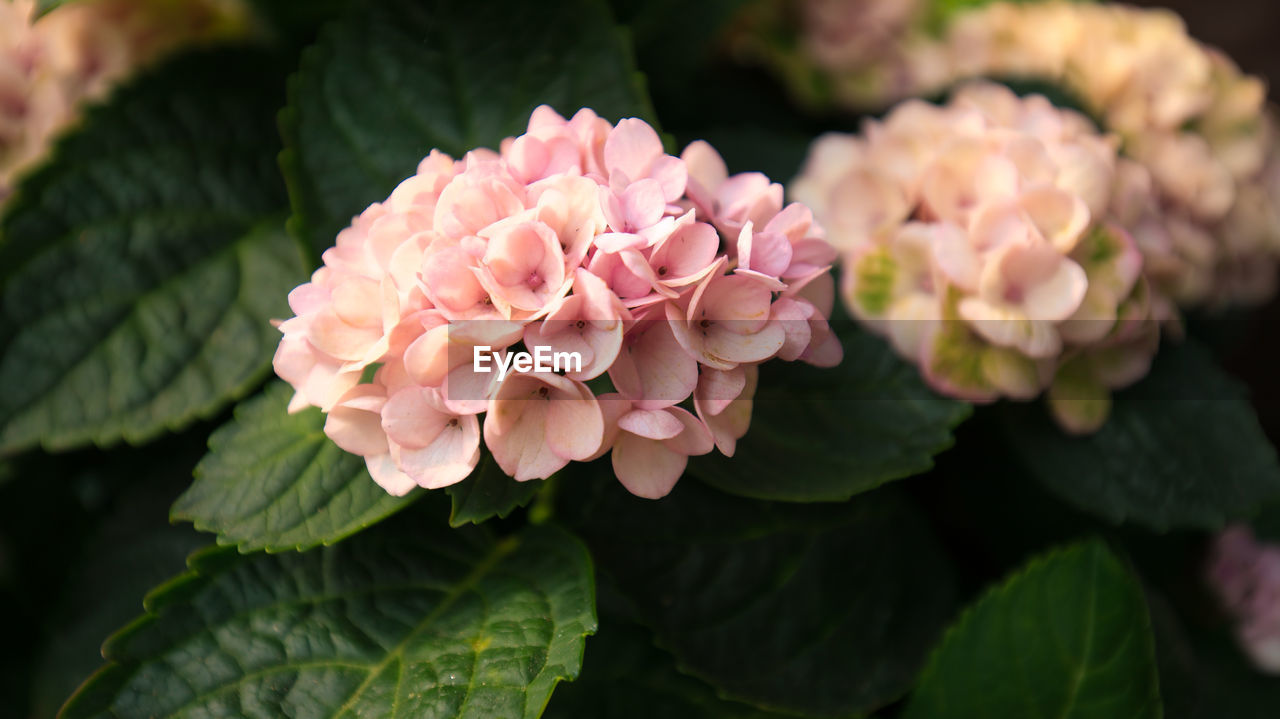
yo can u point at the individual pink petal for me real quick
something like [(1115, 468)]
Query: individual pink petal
[(575, 426), (631, 149), (414, 416), (331, 335), (426, 359), (1058, 296), (354, 423), (646, 467), (1059, 216), (726, 346), (717, 388), (793, 317), (651, 423), (707, 172), (768, 253), (671, 175), (687, 251), (956, 256), (384, 471), (694, 438)]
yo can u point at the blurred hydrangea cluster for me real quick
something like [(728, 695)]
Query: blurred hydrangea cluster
[(1182, 109), (987, 239), (668, 278), (51, 66), (1245, 575)]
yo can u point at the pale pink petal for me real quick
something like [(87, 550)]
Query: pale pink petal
[(1059, 216), (575, 427), (646, 467), (414, 416), (384, 471), (717, 388), (334, 337), (354, 424), (651, 423), (956, 256), (631, 148), (694, 438), (1058, 296), (724, 345), (707, 172)]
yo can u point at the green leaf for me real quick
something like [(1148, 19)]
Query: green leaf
[(411, 619), (1067, 637), (140, 268), (868, 421), (815, 609), (1182, 448), (273, 480), (487, 493), (627, 677), (442, 74)]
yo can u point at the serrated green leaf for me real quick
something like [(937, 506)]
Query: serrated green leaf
[(273, 480), (1067, 637), (488, 493), (1182, 448), (627, 677), (411, 619), (140, 268), (824, 610), (441, 74), (868, 421)]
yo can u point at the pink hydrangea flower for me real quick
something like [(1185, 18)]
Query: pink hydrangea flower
[(666, 279), (1245, 575), (980, 237)]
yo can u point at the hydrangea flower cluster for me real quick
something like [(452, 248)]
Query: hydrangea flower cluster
[(1245, 575), (669, 279), (984, 239), (1182, 109), (50, 67)]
